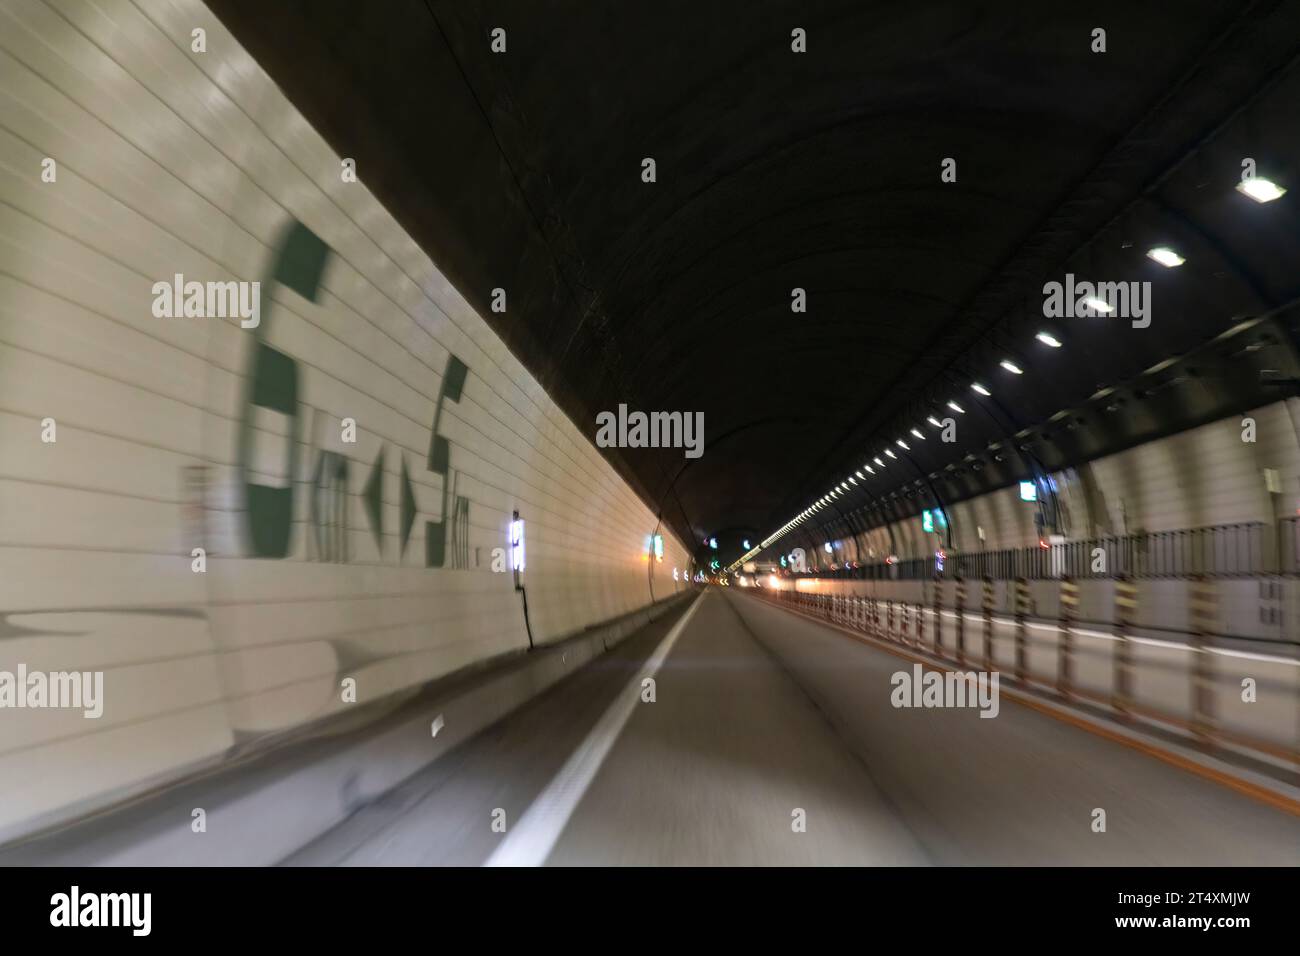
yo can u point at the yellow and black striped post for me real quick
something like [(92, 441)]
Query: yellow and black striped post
[(1022, 627), (961, 620), (987, 604), (1065, 645), (1125, 615), (1204, 606), (938, 615)]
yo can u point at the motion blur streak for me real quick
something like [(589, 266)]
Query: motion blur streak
[(311, 312)]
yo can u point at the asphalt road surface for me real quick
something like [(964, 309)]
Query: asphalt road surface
[(772, 740)]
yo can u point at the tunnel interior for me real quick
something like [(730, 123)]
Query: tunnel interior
[(652, 433), (805, 267)]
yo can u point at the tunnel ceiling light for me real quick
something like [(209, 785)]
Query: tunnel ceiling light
[(1165, 256), (860, 474), (1099, 305), (890, 454), (977, 387), (1260, 189), (935, 422), (1049, 340), (902, 444), (853, 481), (870, 470), (918, 434), (879, 462), (1012, 367), (957, 408)]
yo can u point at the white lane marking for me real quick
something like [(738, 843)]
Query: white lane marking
[(1152, 641), (531, 840)]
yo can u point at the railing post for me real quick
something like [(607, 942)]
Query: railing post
[(920, 623), (889, 620), (1065, 645), (938, 614), (1125, 614), (1205, 611), (988, 622), (961, 619), (1022, 611)]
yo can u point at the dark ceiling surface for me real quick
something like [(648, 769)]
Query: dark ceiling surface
[(778, 170)]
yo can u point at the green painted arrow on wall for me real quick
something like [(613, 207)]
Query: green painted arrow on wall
[(408, 506), (371, 497)]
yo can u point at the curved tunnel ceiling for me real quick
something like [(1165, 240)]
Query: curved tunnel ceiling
[(819, 171)]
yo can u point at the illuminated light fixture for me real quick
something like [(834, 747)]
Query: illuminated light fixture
[(1012, 367), (890, 454), (827, 546), (1099, 305), (957, 408), (1260, 189), (869, 469), (1165, 256), (918, 434), (977, 387), (517, 543), (1028, 491), (860, 474), (745, 544), (713, 543), (935, 422), (1050, 340), (879, 462), (902, 444), (853, 481)]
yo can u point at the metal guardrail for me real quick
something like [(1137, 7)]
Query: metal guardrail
[(891, 621), (1228, 550)]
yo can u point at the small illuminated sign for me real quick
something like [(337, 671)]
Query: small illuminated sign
[(1028, 491)]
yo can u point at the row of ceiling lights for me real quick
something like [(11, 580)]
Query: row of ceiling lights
[(1257, 188)]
